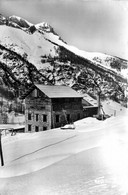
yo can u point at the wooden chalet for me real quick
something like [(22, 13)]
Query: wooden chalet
[(50, 107)]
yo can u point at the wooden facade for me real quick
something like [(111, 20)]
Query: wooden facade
[(47, 108)]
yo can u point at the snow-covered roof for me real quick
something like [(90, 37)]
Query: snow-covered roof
[(58, 91), (89, 99)]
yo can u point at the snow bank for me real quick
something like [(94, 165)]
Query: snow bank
[(26, 153), (14, 170), (113, 108), (118, 116)]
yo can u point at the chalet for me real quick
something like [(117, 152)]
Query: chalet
[(50, 107)]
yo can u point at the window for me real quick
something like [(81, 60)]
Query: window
[(57, 118), (42, 107), (78, 116), (29, 116), (44, 118), (35, 95), (36, 128), (29, 127), (37, 117), (44, 128), (68, 118), (39, 93)]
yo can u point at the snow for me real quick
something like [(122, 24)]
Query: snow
[(89, 99), (16, 119), (88, 55), (19, 18), (32, 155), (10, 126), (56, 135), (34, 45), (113, 108), (29, 155), (42, 24), (124, 72), (118, 118)]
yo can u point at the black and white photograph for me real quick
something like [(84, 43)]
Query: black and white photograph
[(63, 97)]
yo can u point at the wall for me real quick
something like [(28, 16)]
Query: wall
[(90, 111), (64, 107), (41, 106)]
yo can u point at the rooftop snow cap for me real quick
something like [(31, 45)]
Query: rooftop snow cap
[(58, 91)]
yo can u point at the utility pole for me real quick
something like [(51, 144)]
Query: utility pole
[(1, 152), (99, 103)]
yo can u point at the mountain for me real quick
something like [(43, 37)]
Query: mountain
[(36, 53)]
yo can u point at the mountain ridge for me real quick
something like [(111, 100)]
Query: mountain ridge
[(51, 60)]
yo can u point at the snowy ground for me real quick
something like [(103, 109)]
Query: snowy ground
[(17, 119), (90, 160)]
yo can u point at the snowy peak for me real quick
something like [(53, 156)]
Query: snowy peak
[(2, 19), (19, 21), (45, 31), (46, 58), (44, 26), (15, 21)]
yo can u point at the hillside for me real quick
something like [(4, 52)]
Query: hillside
[(36, 53)]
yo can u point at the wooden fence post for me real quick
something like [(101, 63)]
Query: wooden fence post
[(1, 152)]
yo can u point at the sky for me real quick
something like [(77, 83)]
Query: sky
[(90, 25)]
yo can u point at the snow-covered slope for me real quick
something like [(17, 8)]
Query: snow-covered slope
[(33, 45), (36, 46), (45, 31), (44, 56), (46, 162)]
